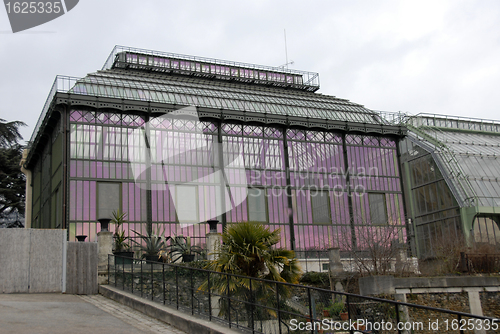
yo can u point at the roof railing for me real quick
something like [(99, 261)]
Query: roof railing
[(123, 56), (441, 121), (61, 84)]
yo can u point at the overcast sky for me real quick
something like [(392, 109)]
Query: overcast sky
[(440, 57)]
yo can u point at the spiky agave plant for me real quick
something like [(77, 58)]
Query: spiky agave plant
[(181, 245), (248, 249), (152, 245)]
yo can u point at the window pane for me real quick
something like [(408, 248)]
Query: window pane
[(186, 204), (378, 212), (257, 205), (108, 199), (320, 207)]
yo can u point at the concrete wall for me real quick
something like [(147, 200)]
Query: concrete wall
[(374, 285), (350, 265), (451, 287), (14, 260), (32, 260), (81, 269)]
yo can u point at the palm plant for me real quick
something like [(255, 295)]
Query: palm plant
[(248, 250)]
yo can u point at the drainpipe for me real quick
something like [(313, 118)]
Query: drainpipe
[(29, 190)]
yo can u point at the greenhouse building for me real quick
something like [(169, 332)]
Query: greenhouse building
[(452, 181), (175, 140)]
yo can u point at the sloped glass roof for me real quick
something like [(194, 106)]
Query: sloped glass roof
[(135, 85), (470, 151)]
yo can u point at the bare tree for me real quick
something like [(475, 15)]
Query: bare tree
[(376, 249)]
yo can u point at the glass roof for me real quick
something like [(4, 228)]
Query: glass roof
[(137, 85), (469, 152)]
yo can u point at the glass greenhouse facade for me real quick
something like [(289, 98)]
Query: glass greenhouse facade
[(177, 140)]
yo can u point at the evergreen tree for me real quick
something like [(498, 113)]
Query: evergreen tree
[(9, 132), (12, 180)]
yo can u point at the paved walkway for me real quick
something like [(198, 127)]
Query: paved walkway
[(62, 314)]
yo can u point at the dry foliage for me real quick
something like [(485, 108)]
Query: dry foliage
[(377, 250), (445, 258)]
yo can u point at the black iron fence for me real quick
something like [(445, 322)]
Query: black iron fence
[(263, 306)]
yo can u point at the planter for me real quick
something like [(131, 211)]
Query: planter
[(326, 313), (212, 223), (344, 316), (188, 257), (81, 238), (126, 257), (104, 224)]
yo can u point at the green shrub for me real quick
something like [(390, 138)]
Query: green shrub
[(313, 277)]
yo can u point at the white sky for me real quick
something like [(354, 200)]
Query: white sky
[(439, 57)]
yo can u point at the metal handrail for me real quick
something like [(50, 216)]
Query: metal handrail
[(120, 48)]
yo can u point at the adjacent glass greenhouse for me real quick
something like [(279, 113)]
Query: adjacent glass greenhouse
[(175, 140), (451, 177)]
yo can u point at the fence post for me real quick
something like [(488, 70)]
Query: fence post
[(132, 274), (252, 306), (152, 282), (278, 306), (349, 312), (163, 280), (192, 292), (177, 287), (310, 308), (209, 298), (228, 302), (108, 267)]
